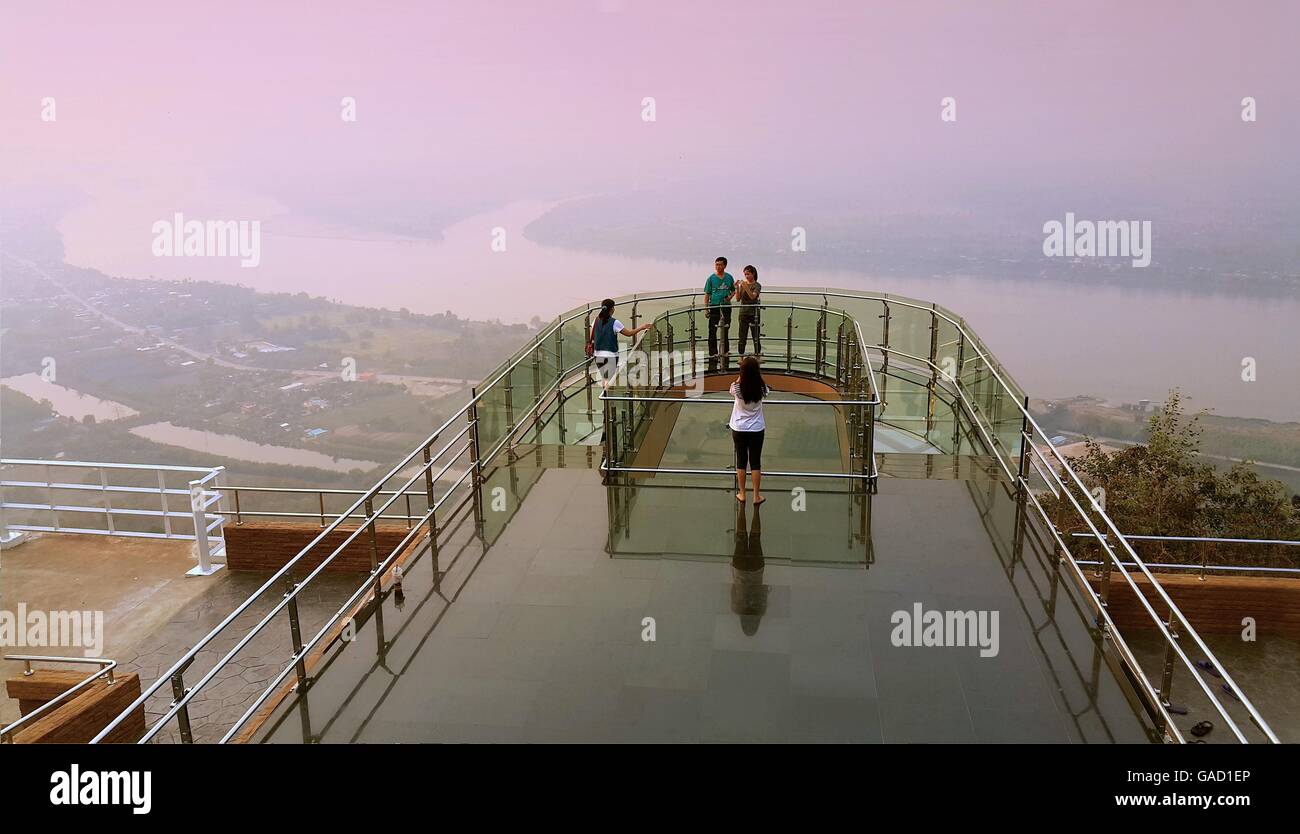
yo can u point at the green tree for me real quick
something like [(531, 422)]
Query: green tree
[(1161, 488)]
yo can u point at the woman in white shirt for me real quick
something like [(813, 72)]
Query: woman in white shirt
[(747, 426)]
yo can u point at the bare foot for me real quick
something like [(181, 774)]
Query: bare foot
[(758, 499), (740, 496)]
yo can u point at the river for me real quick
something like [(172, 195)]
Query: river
[(1057, 339)]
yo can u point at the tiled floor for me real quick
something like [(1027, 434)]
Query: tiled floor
[(540, 637)]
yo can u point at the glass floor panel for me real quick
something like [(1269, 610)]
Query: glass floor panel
[(540, 631)]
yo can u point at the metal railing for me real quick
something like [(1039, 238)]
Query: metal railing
[(1203, 566), (1173, 627), (977, 380), (122, 507), (431, 453), (106, 671), (324, 516), (839, 356)]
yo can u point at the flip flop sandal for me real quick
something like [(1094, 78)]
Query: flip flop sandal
[(1202, 728), (1207, 666), (760, 501)]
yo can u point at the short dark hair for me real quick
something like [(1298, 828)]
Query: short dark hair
[(723, 260), (753, 269)]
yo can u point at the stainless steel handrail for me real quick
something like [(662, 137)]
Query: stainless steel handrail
[(1182, 566), (149, 467), (1216, 539), (719, 401), (283, 603), (1171, 638), (107, 667)]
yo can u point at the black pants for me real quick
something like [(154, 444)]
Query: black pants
[(719, 313), (748, 324), (749, 449)]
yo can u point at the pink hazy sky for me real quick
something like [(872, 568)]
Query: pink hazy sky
[(503, 100)]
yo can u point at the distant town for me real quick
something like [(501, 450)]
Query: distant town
[(266, 384)]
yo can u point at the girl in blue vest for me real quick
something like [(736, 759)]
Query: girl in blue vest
[(602, 342)]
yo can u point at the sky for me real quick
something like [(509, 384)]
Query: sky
[(466, 104)]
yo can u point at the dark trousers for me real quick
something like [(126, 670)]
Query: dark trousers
[(749, 449), (721, 313), (748, 324)]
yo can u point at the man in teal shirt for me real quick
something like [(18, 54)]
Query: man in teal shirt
[(718, 291)]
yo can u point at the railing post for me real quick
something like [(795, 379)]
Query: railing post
[(238, 519), (537, 390), (376, 576), (931, 392), (373, 532), (1167, 676), (871, 446), (1022, 468), (108, 501), (183, 715), (819, 346), (49, 497), (627, 426), (607, 419), (724, 325), (957, 383), (591, 408), (559, 385), (428, 497), (198, 511), (559, 351), (219, 483), (672, 364), (476, 472), (162, 494), (839, 353), (1107, 558), (695, 367), (789, 340), (510, 402), (295, 632), (4, 524)]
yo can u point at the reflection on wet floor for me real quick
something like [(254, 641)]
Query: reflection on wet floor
[(665, 612)]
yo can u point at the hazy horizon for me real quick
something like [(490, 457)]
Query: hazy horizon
[(473, 118), (462, 107)]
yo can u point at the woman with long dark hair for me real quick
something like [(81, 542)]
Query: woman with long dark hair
[(602, 341), (747, 426)]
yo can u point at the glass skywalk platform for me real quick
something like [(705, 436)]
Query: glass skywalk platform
[(577, 567)]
